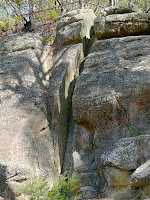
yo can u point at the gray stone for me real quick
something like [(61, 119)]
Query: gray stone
[(108, 101), (115, 10), (118, 25), (26, 142), (87, 192), (141, 176), (74, 27), (82, 158), (88, 179), (65, 70), (117, 177), (19, 43), (111, 96), (83, 139), (128, 153)]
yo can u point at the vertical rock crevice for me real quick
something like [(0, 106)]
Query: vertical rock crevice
[(73, 34)]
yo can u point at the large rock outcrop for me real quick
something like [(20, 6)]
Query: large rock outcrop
[(92, 117), (112, 93), (111, 100), (26, 143)]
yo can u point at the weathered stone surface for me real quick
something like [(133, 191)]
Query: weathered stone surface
[(128, 153), (112, 94), (26, 143), (87, 192), (117, 177), (145, 191), (120, 193), (119, 25), (83, 140), (88, 179), (84, 159), (19, 43), (111, 101), (115, 10), (141, 176), (65, 70), (74, 27)]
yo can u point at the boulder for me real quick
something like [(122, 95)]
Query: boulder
[(74, 27), (141, 176), (118, 25), (111, 96), (128, 153), (116, 177), (26, 142), (115, 10)]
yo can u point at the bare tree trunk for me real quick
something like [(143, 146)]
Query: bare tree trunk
[(131, 3), (116, 2), (40, 4), (63, 8), (80, 4), (72, 5), (31, 14), (147, 6), (8, 22), (111, 2), (8, 2)]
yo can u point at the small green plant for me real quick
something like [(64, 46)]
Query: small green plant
[(141, 134), (36, 188), (63, 189), (49, 39), (131, 130), (133, 133)]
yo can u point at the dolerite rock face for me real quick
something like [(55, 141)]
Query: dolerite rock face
[(112, 93), (26, 143), (111, 101), (91, 118)]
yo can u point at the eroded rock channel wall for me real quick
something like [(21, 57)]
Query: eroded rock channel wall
[(92, 117)]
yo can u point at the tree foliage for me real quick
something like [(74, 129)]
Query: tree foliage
[(14, 12)]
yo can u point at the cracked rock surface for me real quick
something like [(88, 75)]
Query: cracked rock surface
[(26, 143)]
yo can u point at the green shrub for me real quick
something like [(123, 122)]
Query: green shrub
[(63, 189)]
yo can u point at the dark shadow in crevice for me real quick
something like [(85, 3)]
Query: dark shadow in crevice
[(5, 191)]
